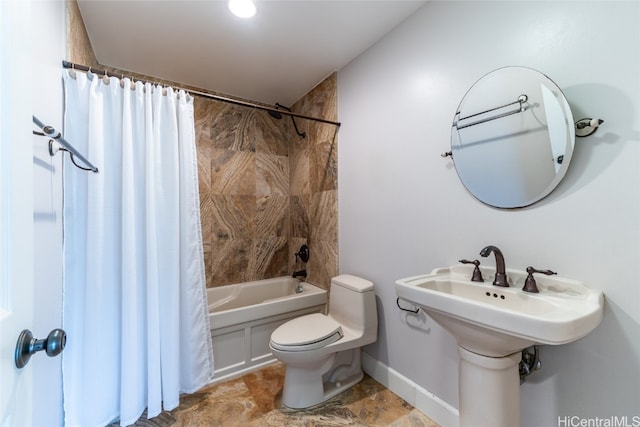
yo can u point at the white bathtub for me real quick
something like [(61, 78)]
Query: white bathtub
[(244, 315)]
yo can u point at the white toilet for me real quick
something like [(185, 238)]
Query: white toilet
[(322, 353)]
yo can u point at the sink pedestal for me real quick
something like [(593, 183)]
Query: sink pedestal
[(489, 390)]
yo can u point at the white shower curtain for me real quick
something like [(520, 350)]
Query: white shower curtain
[(134, 306)]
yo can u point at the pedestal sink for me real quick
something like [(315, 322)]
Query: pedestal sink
[(492, 325)]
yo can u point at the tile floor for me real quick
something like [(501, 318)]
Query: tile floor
[(253, 400)]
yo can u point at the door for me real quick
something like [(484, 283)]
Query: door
[(16, 209)]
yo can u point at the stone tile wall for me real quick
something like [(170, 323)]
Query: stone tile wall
[(314, 183), (244, 189), (264, 191), (79, 49)]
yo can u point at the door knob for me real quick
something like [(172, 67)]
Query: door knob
[(28, 345)]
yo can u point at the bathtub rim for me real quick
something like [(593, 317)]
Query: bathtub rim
[(311, 295)]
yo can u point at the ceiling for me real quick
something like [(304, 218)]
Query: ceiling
[(277, 56)]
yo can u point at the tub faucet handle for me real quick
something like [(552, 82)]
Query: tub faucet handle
[(477, 274), (303, 253)]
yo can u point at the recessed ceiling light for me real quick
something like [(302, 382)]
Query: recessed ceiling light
[(242, 8)]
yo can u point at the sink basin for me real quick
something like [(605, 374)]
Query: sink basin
[(495, 321)]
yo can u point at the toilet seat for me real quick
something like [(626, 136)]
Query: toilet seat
[(308, 332)]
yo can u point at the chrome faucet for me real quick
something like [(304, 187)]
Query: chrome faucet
[(302, 277), (501, 275)]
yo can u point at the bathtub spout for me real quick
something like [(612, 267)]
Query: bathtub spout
[(298, 274)]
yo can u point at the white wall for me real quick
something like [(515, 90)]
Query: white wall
[(403, 211), (48, 46)]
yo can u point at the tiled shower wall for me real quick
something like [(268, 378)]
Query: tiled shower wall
[(264, 191), (314, 182)]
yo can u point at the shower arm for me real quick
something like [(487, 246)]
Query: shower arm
[(295, 125)]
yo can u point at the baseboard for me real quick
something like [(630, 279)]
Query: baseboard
[(423, 400)]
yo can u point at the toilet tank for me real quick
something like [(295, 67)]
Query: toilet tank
[(352, 303)]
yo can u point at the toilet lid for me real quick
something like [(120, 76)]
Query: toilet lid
[(306, 333)]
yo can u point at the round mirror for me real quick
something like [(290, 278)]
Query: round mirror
[(512, 137)]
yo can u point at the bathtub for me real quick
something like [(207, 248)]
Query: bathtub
[(243, 316)]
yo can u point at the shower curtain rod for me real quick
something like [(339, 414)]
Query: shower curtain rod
[(67, 64)]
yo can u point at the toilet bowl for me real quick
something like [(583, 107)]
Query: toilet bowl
[(321, 353)]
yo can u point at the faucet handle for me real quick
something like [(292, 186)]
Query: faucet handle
[(530, 282), (303, 253), (477, 274)]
